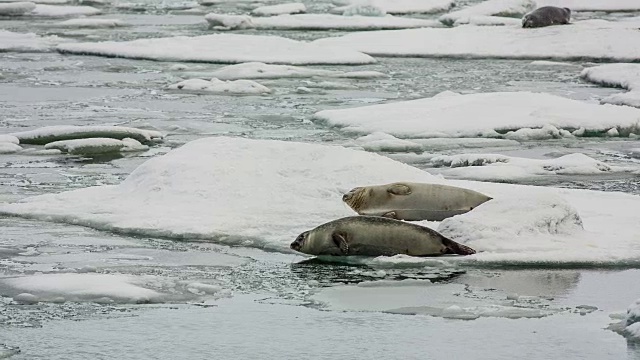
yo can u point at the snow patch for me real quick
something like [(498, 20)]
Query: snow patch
[(26, 42), (280, 9), (509, 8), (53, 11), (484, 20), (593, 5), (9, 139), (376, 7), (221, 48), (216, 86), (380, 141), (9, 148), (50, 134), (93, 146)]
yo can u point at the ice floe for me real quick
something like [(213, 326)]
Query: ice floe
[(626, 76), (280, 9), (582, 40), (26, 42), (552, 63), (512, 115), (379, 141), (16, 8), (54, 11), (93, 146), (496, 167), (315, 22), (222, 48), (259, 70), (217, 86), (50, 134), (9, 139), (593, 5), (91, 23), (509, 8), (369, 7), (9, 148), (484, 20), (175, 196)]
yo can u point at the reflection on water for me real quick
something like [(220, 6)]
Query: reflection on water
[(549, 283)]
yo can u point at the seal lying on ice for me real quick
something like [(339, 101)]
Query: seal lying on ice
[(546, 16), (413, 201), (375, 236)]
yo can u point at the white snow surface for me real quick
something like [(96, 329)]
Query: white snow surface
[(49, 134), (531, 115), (259, 70), (222, 48), (486, 20), (280, 9), (626, 76), (16, 8), (217, 86), (495, 167), (316, 22), (581, 40), (264, 193), (9, 148), (593, 5), (87, 146), (510, 8), (399, 6), (91, 23), (26, 42), (64, 11), (83, 287), (9, 139), (380, 141)]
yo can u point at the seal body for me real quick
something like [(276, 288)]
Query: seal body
[(546, 16), (375, 236), (413, 201)]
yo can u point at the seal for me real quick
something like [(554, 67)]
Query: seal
[(413, 201), (546, 16), (375, 236)]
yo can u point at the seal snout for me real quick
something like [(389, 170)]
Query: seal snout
[(299, 241)]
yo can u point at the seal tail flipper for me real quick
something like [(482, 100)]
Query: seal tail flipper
[(455, 248)]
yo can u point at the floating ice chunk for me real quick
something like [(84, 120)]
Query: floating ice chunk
[(316, 22), (16, 8), (91, 23), (510, 8), (511, 42), (593, 5), (229, 21), (49, 134), (381, 7), (26, 298), (9, 148), (487, 114), (92, 146), (328, 85), (494, 167), (64, 11), (626, 76), (131, 145), (380, 141), (29, 42), (552, 63), (280, 9), (9, 139), (216, 86), (222, 48), (484, 20), (259, 70), (526, 222), (82, 287)]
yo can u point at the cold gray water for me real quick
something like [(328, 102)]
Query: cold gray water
[(273, 305)]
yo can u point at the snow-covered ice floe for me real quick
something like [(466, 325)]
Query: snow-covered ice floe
[(222, 48), (511, 115), (315, 22), (54, 11), (16, 8), (508, 8), (495, 167), (9, 148), (626, 76), (484, 20), (259, 70), (105, 288), (50, 134), (176, 196), (582, 40), (373, 7), (593, 5), (280, 9), (91, 23), (217, 86), (26, 42), (96, 146)]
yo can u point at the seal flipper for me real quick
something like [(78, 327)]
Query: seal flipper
[(341, 243), (391, 215), (453, 247), (399, 189)]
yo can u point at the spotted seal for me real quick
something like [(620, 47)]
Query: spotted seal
[(546, 16), (375, 236)]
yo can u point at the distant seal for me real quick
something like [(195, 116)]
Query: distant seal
[(413, 201), (375, 236), (546, 16)]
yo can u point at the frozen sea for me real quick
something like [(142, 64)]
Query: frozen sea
[(72, 291)]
